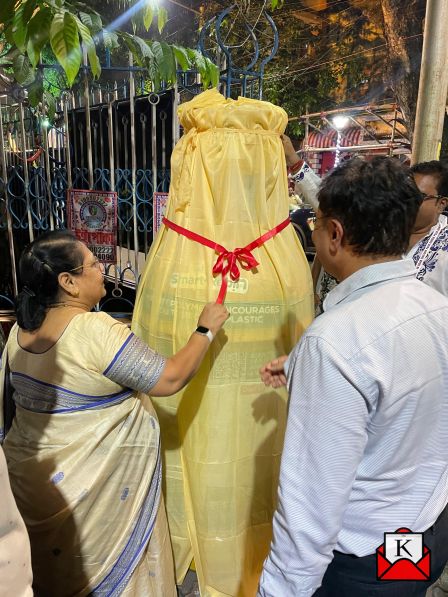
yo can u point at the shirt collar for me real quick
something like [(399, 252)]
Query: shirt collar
[(369, 276)]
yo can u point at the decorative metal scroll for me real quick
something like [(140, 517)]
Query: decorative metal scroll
[(236, 78)]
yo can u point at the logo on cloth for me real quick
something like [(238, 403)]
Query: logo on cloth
[(403, 556)]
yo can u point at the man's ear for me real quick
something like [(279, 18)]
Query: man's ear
[(336, 231), (443, 203)]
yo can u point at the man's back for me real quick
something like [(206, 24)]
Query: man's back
[(388, 334)]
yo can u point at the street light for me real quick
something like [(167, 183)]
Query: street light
[(340, 121)]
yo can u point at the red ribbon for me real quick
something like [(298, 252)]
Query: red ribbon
[(227, 262)]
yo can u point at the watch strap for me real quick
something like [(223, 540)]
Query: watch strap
[(207, 333)]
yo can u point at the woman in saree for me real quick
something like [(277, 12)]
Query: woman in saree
[(83, 450)]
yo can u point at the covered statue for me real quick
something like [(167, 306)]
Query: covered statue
[(226, 237)]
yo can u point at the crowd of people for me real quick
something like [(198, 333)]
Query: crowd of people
[(366, 444)]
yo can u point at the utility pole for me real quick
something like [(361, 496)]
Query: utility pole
[(433, 86)]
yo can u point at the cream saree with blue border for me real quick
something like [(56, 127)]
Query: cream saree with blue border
[(85, 464)]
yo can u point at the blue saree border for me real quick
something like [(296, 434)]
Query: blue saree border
[(116, 580), (117, 356), (54, 399)]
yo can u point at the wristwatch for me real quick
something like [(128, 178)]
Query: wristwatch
[(204, 332)]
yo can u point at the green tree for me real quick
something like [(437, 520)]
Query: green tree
[(326, 58), (33, 30)]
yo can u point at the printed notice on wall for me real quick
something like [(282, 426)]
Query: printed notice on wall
[(92, 216), (160, 201)]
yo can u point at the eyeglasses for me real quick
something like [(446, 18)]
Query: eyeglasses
[(314, 220), (96, 263), (436, 197)]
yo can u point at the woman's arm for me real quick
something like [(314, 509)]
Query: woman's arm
[(182, 366)]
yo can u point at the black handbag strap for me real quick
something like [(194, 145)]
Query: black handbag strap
[(9, 406)]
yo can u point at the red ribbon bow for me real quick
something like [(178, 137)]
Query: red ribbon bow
[(227, 262)]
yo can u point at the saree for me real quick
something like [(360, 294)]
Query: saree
[(222, 435), (84, 462)]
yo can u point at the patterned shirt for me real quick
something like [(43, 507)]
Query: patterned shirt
[(430, 256), (366, 380)]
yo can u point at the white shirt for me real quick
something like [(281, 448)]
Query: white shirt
[(15, 555), (307, 183), (366, 445), (430, 256)]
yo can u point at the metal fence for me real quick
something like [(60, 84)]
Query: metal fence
[(112, 135), (105, 137)]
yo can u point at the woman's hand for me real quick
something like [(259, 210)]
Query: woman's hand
[(213, 317), (273, 374)]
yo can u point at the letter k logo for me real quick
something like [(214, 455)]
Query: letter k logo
[(401, 545)]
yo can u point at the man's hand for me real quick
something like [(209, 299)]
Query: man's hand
[(273, 374), (292, 158)]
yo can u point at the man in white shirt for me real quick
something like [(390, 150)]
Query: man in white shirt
[(366, 445)]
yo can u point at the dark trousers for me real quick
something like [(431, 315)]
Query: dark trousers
[(350, 576)]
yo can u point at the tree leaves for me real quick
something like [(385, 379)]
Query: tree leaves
[(165, 60), (150, 11), (23, 71), (35, 91), (19, 25), (50, 103), (32, 25), (209, 72), (38, 34), (181, 56), (64, 39), (148, 16), (110, 39), (162, 18), (90, 48), (7, 10)]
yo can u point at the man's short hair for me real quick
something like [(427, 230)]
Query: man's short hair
[(437, 169), (376, 202)]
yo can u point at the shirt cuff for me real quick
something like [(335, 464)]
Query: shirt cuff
[(275, 582)]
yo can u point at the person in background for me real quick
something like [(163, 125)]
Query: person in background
[(83, 450), (366, 448), (307, 183), (428, 246), (15, 555)]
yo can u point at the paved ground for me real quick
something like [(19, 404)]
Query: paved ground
[(440, 588), (190, 587)]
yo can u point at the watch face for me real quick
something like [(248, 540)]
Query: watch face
[(201, 329)]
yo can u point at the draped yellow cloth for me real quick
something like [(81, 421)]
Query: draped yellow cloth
[(222, 436)]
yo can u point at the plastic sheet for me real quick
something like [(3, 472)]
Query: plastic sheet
[(222, 436)]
